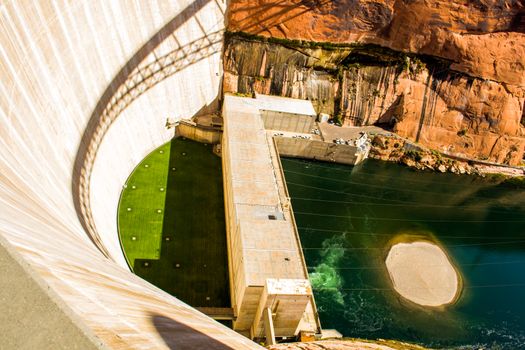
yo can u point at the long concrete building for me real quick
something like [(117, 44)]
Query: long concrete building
[(264, 251), (85, 90)]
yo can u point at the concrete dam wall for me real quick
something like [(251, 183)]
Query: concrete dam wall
[(85, 90)]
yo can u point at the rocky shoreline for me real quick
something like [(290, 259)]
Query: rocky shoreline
[(396, 149), (348, 344)]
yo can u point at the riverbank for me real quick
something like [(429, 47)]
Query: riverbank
[(390, 147)]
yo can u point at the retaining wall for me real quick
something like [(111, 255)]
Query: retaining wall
[(299, 123), (198, 133), (318, 150)]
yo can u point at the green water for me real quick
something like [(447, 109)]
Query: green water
[(348, 216)]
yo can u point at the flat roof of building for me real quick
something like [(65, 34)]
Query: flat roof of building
[(269, 246), (285, 105), (265, 243)]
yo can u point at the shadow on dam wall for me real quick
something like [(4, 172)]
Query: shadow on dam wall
[(135, 78), (185, 339)]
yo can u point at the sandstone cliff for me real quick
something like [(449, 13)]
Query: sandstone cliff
[(482, 37), (450, 76)]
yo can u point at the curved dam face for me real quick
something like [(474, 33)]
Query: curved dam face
[(85, 91)]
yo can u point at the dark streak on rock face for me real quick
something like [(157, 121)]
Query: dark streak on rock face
[(417, 96)]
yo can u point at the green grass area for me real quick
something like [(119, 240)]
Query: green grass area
[(172, 226)]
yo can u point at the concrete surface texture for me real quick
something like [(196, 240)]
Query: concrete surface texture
[(85, 90), (262, 238), (36, 311), (318, 150), (285, 105)]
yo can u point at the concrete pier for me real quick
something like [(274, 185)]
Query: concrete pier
[(267, 268)]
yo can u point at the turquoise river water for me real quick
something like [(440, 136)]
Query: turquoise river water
[(349, 216)]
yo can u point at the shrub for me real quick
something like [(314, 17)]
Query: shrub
[(415, 155), (462, 132)]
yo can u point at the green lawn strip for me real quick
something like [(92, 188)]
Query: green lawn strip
[(193, 222), (143, 221)]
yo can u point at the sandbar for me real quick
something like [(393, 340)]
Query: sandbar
[(422, 273)]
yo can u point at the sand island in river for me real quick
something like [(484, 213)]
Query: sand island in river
[(422, 273)]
